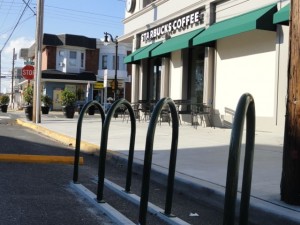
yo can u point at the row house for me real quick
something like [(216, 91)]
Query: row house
[(82, 65)]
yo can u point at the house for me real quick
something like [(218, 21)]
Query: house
[(72, 62), (107, 71), (211, 52)]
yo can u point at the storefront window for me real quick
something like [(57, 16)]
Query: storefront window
[(196, 75), (155, 79), (80, 92)]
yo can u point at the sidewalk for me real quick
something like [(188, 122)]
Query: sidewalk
[(201, 160)]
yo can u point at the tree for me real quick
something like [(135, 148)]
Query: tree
[(290, 180)]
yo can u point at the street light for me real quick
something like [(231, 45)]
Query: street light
[(115, 41)]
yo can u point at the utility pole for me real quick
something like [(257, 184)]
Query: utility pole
[(290, 180), (0, 69), (36, 114), (115, 41), (12, 80)]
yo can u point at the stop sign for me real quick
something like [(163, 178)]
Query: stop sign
[(28, 72)]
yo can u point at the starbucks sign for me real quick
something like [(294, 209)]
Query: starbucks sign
[(194, 18)]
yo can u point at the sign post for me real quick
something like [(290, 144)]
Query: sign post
[(105, 88)]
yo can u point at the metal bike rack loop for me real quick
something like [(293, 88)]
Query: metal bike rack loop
[(78, 133), (245, 108), (103, 147), (148, 159)]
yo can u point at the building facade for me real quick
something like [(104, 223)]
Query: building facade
[(77, 62), (211, 52), (107, 70)]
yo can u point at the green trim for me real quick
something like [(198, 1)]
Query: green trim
[(141, 53), (283, 15), (146, 53), (129, 58), (258, 19), (176, 43)]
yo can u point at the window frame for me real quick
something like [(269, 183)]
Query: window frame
[(72, 59), (104, 62)]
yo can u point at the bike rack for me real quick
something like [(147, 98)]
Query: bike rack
[(103, 147), (78, 134), (245, 108), (148, 159)]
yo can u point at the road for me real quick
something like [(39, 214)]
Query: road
[(33, 193), (39, 194)]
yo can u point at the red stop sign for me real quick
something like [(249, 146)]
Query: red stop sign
[(28, 72)]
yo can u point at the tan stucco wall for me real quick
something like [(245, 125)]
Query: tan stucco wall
[(247, 63)]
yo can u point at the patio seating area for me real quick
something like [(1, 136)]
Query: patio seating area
[(197, 114)]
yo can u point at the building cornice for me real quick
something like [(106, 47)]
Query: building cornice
[(129, 36)]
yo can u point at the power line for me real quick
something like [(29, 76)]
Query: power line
[(12, 27), (80, 16), (7, 12), (61, 13), (29, 7), (84, 12), (15, 27)]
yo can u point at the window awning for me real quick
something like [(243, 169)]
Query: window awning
[(129, 58), (176, 43), (141, 53), (259, 19), (146, 53), (283, 15)]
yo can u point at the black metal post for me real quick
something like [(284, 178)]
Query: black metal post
[(116, 72), (115, 41), (78, 133), (103, 147), (148, 159), (245, 108)]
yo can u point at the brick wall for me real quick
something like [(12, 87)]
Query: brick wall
[(49, 58)]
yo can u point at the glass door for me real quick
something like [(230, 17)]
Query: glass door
[(196, 75)]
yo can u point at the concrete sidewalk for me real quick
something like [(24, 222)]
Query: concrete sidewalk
[(201, 160)]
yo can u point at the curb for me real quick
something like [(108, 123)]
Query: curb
[(39, 159), (260, 211), (62, 138)]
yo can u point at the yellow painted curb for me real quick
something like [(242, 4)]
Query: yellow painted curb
[(67, 140), (39, 159)]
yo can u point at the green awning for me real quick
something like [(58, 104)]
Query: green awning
[(283, 15), (141, 53), (129, 58), (146, 53), (259, 19), (176, 43)]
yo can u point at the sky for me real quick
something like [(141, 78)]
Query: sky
[(90, 18)]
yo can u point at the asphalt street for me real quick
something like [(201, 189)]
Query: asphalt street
[(200, 169), (39, 194)]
